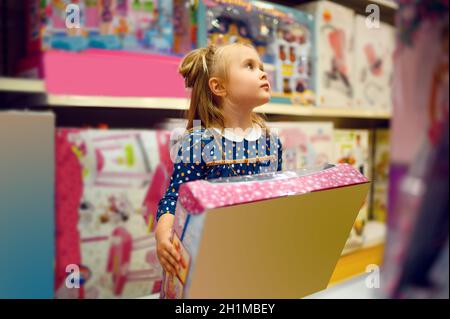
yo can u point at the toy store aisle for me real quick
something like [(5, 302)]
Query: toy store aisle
[(97, 88)]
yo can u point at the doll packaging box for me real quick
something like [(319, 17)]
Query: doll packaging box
[(282, 36), (334, 26), (374, 49), (132, 25), (108, 185), (276, 235), (381, 175), (305, 144), (353, 147)]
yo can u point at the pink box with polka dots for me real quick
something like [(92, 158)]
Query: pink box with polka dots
[(276, 235)]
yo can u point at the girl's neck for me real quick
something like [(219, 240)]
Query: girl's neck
[(237, 116)]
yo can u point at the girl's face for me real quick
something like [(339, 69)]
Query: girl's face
[(247, 83)]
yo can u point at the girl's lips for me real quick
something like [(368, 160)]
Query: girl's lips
[(265, 86)]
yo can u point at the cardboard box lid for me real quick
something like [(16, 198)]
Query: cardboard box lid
[(200, 195)]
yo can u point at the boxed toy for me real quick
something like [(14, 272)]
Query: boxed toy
[(305, 144), (352, 147), (108, 185), (282, 36), (374, 49), (334, 53), (133, 25), (244, 237), (381, 175), (185, 26)]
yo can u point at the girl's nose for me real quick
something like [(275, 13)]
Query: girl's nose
[(263, 75)]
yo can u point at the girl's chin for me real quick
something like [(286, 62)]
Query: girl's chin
[(265, 99)]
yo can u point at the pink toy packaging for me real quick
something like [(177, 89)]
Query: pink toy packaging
[(227, 231), (108, 184)]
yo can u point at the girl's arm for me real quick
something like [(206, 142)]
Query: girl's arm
[(186, 169)]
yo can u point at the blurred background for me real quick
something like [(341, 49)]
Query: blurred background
[(90, 97)]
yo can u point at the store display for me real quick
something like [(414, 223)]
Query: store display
[(214, 266), (373, 53), (108, 184), (341, 190), (132, 25), (380, 175), (185, 26), (305, 144), (352, 147), (334, 26), (282, 36)]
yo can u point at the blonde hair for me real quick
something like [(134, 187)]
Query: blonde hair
[(197, 67)]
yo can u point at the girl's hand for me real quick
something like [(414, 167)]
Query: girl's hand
[(167, 254)]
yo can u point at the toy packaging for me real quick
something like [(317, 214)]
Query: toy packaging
[(352, 147), (132, 25), (381, 175), (108, 185), (282, 36), (374, 49), (334, 25), (223, 259), (305, 144), (185, 26)]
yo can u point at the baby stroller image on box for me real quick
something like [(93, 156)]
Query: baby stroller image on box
[(338, 74)]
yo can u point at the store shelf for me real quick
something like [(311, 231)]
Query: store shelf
[(182, 104), (310, 111), (386, 3), (355, 263), (354, 288), (21, 85), (374, 235), (37, 86), (355, 259), (118, 102), (153, 296)]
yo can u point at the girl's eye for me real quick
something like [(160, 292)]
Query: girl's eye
[(250, 66)]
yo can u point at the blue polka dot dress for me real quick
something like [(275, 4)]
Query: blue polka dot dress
[(211, 153)]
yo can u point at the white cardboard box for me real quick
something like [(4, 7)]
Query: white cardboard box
[(334, 25), (373, 68)]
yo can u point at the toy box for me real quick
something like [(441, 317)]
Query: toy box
[(374, 49), (334, 53), (305, 144), (352, 147), (282, 36), (108, 185), (381, 175), (229, 232), (134, 25), (185, 26)]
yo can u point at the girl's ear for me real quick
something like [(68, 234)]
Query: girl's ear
[(217, 87)]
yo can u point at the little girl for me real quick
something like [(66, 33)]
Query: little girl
[(227, 83)]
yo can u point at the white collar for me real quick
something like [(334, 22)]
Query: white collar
[(253, 133)]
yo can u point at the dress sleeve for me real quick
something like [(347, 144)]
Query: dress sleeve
[(188, 166)]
